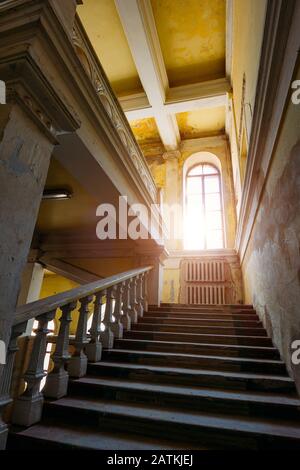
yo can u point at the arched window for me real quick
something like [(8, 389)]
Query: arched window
[(203, 208)]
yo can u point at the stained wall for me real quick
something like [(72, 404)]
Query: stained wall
[(271, 267)]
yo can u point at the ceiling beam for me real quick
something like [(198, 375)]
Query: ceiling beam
[(139, 26), (209, 94)]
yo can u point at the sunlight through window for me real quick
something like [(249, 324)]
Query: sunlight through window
[(203, 225)]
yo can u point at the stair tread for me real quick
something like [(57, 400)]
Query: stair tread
[(222, 328), (196, 356), (87, 438), (190, 391), (235, 423), (197, 334), (151, 341), (185, 370), (200, 320)]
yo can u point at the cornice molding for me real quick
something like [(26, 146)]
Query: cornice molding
[(32, 30), (279, 54)]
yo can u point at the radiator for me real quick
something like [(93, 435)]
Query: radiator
[(204, 282)]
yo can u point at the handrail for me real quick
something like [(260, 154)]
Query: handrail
[(39, 307), (126, 300)]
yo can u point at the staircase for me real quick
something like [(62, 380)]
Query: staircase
[(183, 377)]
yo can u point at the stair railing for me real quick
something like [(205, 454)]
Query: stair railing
[(125, 298)]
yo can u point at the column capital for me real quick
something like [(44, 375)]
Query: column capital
[(171, 155)]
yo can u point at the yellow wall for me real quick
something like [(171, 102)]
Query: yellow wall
[(168, 175), (248, 27), (54, 284)]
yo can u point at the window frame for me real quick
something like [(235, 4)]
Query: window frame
[(217, 173)]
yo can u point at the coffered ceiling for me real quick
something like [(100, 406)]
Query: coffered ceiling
[(168, 62)]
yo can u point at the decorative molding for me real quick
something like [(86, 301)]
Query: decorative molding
[(211, 89), (280, 48), (111, 105), (32, 33), (135, 102), (26, 85)]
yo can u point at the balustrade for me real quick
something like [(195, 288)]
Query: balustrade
[(125, 300)]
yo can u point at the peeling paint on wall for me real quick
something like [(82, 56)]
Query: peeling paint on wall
[(272, 264)]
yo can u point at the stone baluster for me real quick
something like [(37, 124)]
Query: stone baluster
[(6, 377), (94, 348), (133, 312), (117, 326), (28, 407), (145, 291), (125, 319), (107, 336), (57, 381), (78, 363), (140, 298)]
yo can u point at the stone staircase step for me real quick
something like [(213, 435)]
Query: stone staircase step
[(233, 323), (49, 435), (246, 403), (187, 376), (202, 316), (182, 328), (224, 307), (198, 338), (193, 361), (202, 428), (198, 348), (202, 307)]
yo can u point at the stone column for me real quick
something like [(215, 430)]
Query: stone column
[(27, 138), (172, 201)]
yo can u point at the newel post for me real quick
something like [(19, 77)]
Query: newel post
[(57, 381), (94, 348), (29, 406), (6, 377), (78, 362)]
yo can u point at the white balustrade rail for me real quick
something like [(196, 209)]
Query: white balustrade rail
[(125, 298)]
